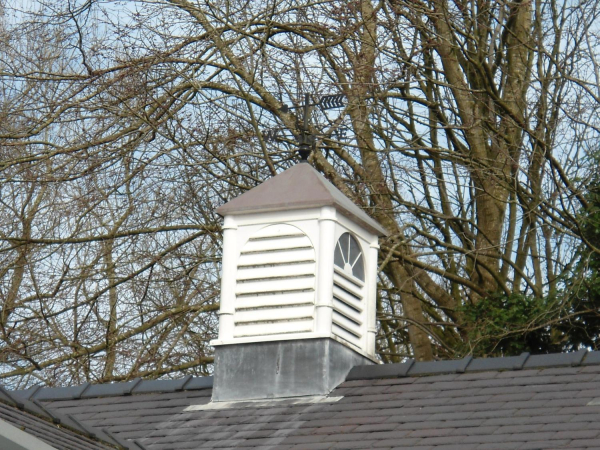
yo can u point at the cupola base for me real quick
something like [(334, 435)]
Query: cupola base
[(281, 369)]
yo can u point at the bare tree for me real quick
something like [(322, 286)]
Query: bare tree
[(123, 127)]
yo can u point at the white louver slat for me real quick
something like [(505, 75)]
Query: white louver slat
[(347, 308), (275, 283)]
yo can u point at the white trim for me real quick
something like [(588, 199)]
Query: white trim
[(292, 337)]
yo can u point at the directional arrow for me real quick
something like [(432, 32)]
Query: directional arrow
[(332, 101)]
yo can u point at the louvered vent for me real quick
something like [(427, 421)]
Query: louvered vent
[(348, 284), (275, 284)]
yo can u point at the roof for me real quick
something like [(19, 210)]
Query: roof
[(29, 425), (521, 402), (300, 186)]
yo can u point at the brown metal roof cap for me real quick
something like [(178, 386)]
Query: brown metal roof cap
[(299, 187)]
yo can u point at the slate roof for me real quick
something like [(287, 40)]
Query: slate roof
[(523, 402), (300, 186), (57, 430)]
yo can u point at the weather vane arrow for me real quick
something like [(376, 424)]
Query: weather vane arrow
[(304, 136)]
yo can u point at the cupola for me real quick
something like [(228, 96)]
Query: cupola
[(298, 289)]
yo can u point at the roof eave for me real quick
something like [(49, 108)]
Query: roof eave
[(369, 224)]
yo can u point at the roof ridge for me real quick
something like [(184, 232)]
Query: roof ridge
[(525, 360), (135, 386)]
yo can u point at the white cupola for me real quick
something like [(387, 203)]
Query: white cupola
[(299, 268)]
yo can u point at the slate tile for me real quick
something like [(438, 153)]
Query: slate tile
[(438, 379), (544, 445), (461, 393), (400, 443), (579, 434), (530, 404), (225, 443), (565, 394), (393, 381), (514, 397), (476, 431), (432, 432), (470, 376), (552, 403), (360, 413), (485, 439), (250, 434), (292, 439), (590, 369), (584, 409), (386, 435), (499, 446), (343, 437), (369, 390), (391, 404), (469, 400), (435, 401), (561, 371), (531, 437), (371, 427), (514, 429), (540, 419), (355, 383), (571, 426), (291, 432), (351, 445), (461, 446), (379, 397), (312, 446), (439, 441), (335, 429), (581, 443), (538, 411), (332, 422), (585, 418), (450, 416)]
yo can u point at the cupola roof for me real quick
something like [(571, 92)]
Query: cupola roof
[(299, 187)]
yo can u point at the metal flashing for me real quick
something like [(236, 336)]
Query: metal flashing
[(8, 398), (84, 387), (146, 386), (555, 360), (465, 363), (198, 383), (438, 367), (469, 364), (54, 417), (491, 364), (185, 380), (129, 389), (61, 393), (88, 390), (371, 372), (591, 358), (268, 403), (29, 393), (109, 389), (86, 430)]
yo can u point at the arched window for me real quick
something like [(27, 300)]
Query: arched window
[(348, 256)]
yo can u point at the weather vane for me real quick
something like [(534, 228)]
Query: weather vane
[(305, 138)]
